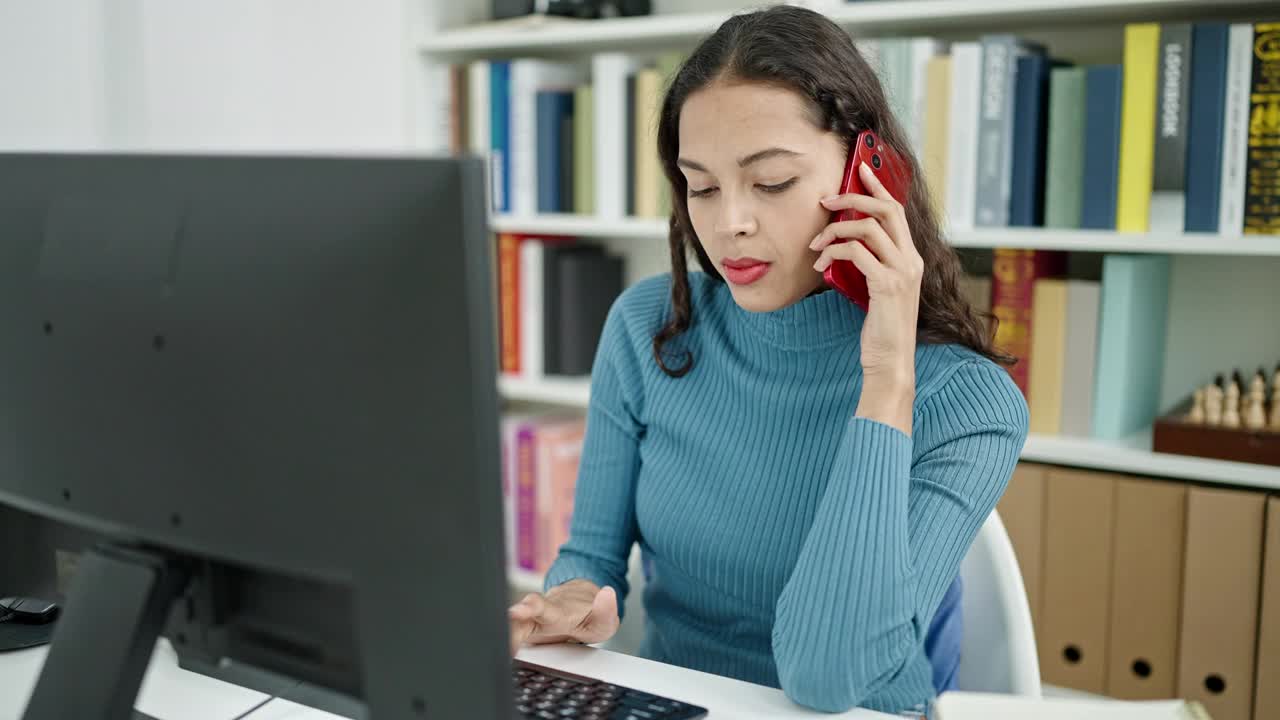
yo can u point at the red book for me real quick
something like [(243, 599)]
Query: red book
[(1013, 278), (508, 302)]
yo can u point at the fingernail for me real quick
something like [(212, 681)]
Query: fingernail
[(813, 244), (829, 198), (864, 167)]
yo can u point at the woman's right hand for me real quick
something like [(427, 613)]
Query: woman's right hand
[(577, 611)]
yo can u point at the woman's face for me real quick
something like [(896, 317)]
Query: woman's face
[(756, 169)]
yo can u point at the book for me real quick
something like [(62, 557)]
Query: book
[(459, 106), (1262, 169), (558, 454), (1235, 134), (529, 76), (1080, 361), (611, 120), (1048, 352), (936, 136), (1205, 120), (1031, 107), (1131, 344), (648, 178), (1137, 131), (1013, 277), (1064, 161), (499, 135), (553, 107), (1103, 102), (994, 183), (588, 283), (478, 117), (509, 303), (1173, 86), (962, 146), (584, 169), (921, 51), (957, 705)]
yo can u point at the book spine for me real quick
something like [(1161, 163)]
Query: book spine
[(1262, 178), (509, 301), (1064, 165), (526, 497), (1173, 83), (936, 135), (1208, 100), (549, 170), (1104, 90), (1013, 276), (611, 119), (962, 152), (648, 174), (567, 166), (532, 252), (1026, 198), (583, 150), (500, 138), (995, 142), (1137, 141), (1235, 139)]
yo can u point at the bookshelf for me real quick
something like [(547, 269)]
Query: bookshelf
[(1098, 241), (878, 17), (1131, 455)]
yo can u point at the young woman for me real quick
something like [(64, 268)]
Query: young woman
[(803, 477)]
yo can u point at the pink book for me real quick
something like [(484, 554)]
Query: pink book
[(559, 454), (526, 496)]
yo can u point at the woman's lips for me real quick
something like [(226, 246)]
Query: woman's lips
[(744, 271)]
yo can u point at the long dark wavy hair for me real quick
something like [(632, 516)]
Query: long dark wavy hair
[(803, 51)]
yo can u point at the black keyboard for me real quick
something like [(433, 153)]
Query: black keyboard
[(548, 694)]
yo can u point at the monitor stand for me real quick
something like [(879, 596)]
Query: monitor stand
[(116, 609)]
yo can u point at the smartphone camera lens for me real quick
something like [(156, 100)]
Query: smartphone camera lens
[(875, 161), (870, 140)]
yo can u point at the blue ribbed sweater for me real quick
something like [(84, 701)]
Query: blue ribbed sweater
[(790, 544)]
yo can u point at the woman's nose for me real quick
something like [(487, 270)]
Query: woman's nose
[(736, 218)]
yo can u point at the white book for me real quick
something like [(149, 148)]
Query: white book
[(990, 706), (532, 337), (609, 87), (922, 50), (527, 78), (1235, 134), (478, 140), (1080, 357), (962, 146)]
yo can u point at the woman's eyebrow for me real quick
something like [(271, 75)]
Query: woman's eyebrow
[(744, 161)]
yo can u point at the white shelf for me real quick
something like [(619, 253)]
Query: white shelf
[(569, 391), (881, 17), (1027, 238), (1132, 455), (581, 225), (524, 581)]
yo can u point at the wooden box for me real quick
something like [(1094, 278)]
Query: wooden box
[(1173, 434)]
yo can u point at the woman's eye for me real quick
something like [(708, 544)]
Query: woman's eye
[(780, 187), (701, 193)]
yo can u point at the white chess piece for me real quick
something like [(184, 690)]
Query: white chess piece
[(1196, 416), (1275, 407), (1213, 404), (1231, 406), (1255, 416)]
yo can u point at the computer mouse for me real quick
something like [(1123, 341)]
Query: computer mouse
[(31, 611)]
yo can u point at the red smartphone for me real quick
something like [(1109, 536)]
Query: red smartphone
[(895, 175)]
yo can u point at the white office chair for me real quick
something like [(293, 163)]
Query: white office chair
[(998, 651)]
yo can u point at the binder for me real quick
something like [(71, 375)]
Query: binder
[(1079, 525), (1221, 582), (1266, 703), (1022, 512), (1146, 589)]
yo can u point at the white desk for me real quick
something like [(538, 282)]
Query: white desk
[(168, 692)]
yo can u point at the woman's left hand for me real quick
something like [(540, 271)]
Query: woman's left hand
[(893, 269)]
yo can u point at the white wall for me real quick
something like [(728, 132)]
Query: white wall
[(208, 75)]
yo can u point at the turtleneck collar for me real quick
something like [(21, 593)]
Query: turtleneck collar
[(827, 318)]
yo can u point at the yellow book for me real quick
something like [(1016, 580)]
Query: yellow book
[(648, 179), (937, 128), (1137, 127), (1048, 347)]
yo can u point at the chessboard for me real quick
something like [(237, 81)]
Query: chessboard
[(1229, 419)]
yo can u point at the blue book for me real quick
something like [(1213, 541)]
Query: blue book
[(1131, 339), (1104, 86), (553, 107), (1030, 141), (500, 134), (1205, 126)]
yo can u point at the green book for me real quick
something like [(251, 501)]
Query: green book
[(584, 159), (1064, 167)]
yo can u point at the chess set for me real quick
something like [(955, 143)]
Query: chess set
[(1228, 419)]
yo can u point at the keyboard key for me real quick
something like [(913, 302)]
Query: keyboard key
[(546, 715)]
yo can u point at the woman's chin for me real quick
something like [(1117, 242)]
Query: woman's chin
[(758, 298)]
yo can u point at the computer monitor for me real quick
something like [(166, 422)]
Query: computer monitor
[(267, 384)]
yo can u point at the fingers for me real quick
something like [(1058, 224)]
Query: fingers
[(856, 253), (878, 203), (869, 230), (601, 622), (538, 619)]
